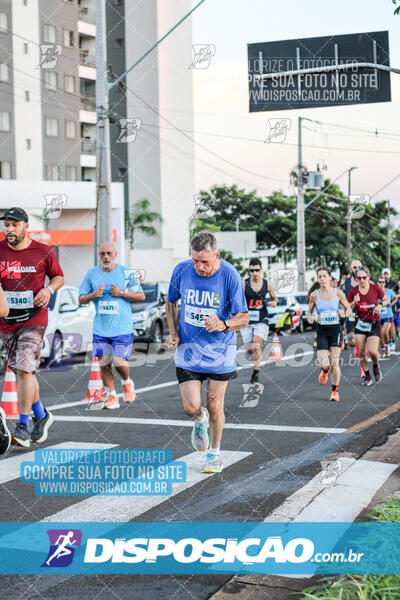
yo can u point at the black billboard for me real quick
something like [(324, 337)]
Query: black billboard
[(335, 88)]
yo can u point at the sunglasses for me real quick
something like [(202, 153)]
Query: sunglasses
[(358, 277), (380, 281), (254, 270)]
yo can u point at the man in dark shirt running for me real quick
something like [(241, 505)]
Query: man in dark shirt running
[(24, 265)]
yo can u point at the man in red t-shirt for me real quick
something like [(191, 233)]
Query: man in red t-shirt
[(24, 265), (368, 300)]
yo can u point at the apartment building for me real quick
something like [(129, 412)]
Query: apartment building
[(48, 102)]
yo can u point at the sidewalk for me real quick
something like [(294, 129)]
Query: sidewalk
[(386, 458)]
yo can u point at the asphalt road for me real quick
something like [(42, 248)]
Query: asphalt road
[(276, 439)]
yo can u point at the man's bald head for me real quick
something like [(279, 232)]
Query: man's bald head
[(107, 254)]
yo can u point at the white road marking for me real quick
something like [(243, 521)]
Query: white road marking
[(10, 467), (354, 488), (189, 423), (171, 383), (125, 508)]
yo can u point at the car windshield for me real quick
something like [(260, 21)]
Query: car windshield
[(302, 298), (282, 300), (150, 291)]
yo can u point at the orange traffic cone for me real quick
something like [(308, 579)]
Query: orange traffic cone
[(276, 352), (95, 391), (9, 398)]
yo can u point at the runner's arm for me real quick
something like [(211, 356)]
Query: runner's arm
[(239, 320), (344, 302), (4, 308), (131, 296), (274, 299), (171, 312), (311, 306), (43, 296)]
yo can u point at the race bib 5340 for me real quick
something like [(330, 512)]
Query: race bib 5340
[(20, 300)]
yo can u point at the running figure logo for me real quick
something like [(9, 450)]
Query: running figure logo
[(128, 130), (278, 130), (202, 55), (251, 394), (49, 54), (62, 547)]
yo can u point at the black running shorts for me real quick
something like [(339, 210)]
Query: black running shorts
[(374, 331), (329, 336), (186, 375)]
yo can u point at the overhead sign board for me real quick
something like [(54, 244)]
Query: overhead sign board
[(345, 86)]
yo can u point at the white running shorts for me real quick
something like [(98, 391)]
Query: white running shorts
[(254, 329)]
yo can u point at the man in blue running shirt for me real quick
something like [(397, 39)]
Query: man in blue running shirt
[(213, 306), (112, 287)]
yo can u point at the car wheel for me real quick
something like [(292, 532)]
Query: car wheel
[(300, 327), (157, 337)]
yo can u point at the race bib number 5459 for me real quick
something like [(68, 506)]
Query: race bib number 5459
[(195, 315)]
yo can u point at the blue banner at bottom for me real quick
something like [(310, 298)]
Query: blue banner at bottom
[(199, 548)]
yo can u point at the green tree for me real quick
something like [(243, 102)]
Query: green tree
[(236, 262), (273, 218), (142, 219)]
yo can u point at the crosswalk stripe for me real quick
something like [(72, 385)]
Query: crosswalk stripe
[(111, 509), (189, 423), (10, 467), (125, 508)]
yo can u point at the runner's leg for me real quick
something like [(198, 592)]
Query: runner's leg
[(335, 366), (215, 406), (361, 342)]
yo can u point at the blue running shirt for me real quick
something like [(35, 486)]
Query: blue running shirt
[(387, 312), (113, 314), (221, 294)]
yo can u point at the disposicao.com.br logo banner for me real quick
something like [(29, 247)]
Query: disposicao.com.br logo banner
[(197, 547)]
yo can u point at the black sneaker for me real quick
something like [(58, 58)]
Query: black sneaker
[(377, 372), (5, 436), (254, 377), (40, 427), (367, 380), (21, 435)]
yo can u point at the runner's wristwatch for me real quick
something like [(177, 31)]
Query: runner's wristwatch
[(226, 323)]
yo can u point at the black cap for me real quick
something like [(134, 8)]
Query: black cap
[(18, 214)]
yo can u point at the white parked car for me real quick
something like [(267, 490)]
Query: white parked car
[(286, 302), (70, 324)]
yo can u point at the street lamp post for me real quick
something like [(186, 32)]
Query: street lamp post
[(349, 219)]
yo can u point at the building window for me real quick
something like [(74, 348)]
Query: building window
[(51, 127), (5, 169), (70, 130), (119, 43), (69, 84), (25, 2), (49, 34), (50, 79), (72, 174), (118, 2), (52, 172), (25, 48), (3, 22), (27, 96), (5, 121), (4, 72), (68, 37), (28, 144)]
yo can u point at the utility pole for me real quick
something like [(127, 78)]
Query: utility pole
[(388, 236), (348, 245), (103, 191), (301, 253)]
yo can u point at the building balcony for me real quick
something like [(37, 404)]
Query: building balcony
[(87, 58)]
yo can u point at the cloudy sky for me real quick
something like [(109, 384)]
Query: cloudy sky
[(221, 99)]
